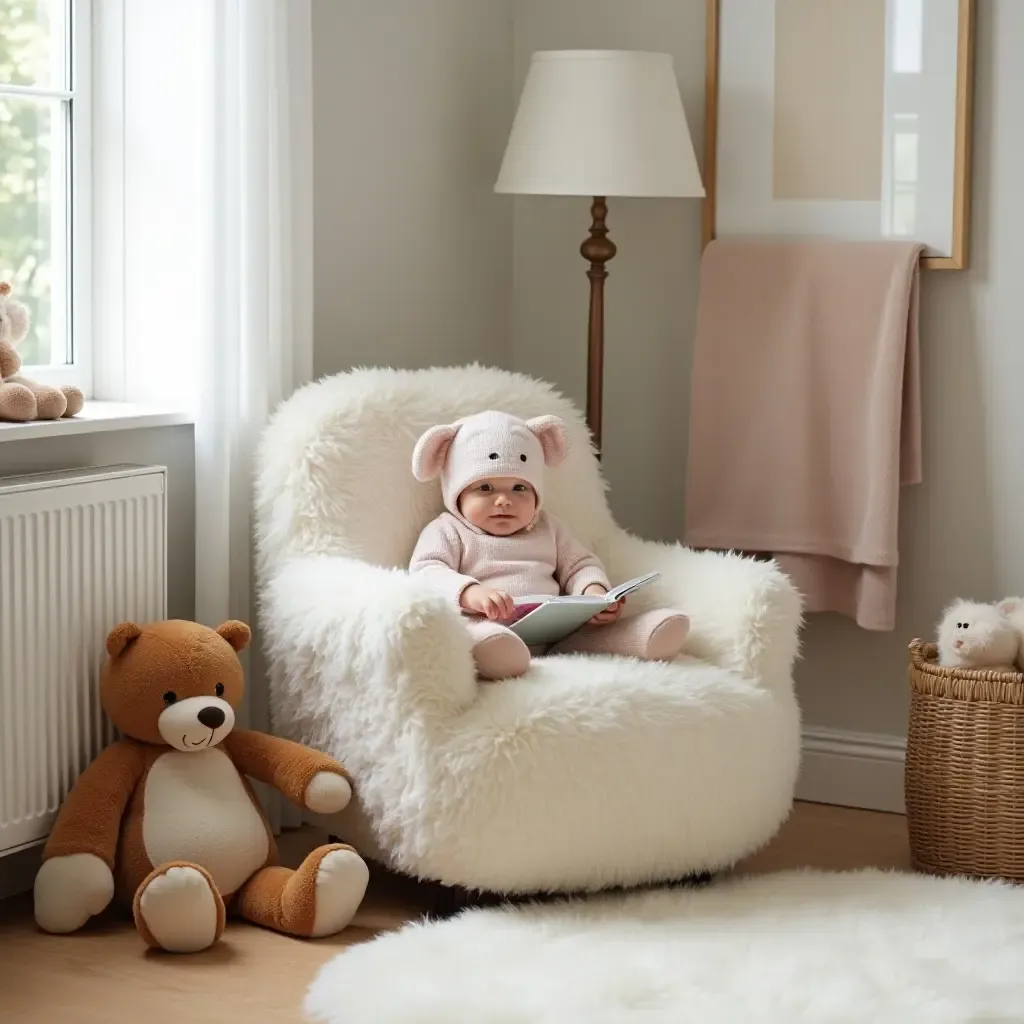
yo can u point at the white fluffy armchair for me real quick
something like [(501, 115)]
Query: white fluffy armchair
[(588, 772)]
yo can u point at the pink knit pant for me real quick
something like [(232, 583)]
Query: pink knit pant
[(657, 635)]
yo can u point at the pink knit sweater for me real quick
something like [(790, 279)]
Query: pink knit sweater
[(545, 560)]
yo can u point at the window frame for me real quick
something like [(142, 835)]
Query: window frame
[(77, 105)]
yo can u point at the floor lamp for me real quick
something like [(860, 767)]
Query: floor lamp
[(599, 123)]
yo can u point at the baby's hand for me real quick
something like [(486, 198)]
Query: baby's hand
[(611, 613), (495, 604)]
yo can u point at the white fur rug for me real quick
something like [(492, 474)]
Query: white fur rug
[(793, 947)]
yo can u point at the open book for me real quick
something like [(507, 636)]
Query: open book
[(542, 619)]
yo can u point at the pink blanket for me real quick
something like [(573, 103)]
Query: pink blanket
[(805, 413)]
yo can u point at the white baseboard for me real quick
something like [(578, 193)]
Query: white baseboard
[(852, 769)]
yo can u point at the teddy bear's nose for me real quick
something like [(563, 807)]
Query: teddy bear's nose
[(212, 717)]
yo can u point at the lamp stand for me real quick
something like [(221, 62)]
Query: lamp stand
[(598, 249)]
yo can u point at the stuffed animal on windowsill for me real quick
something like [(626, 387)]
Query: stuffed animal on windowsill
[(21, 399), (976, 635), (165, 819)]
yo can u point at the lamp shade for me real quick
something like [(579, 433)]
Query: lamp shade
[(600, 123)]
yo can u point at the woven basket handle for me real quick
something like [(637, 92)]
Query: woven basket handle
[(922, 651)]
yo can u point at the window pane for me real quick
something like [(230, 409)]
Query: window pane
[(33, 43), (33, 219)]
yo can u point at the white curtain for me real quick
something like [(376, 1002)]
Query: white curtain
[(260, 341), (204, 246), (258, 336)]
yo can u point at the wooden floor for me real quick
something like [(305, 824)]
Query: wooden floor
[(104, 975)]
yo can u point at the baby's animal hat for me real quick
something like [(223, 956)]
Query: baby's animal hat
[(489, 444)]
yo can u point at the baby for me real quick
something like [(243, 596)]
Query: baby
[(496, 543)]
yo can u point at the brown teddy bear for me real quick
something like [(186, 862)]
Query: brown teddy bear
[(165, 818), (22, 399)]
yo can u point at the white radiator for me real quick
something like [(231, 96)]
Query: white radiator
[(80, 551)]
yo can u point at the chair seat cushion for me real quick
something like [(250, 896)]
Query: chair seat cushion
[(593, 771)]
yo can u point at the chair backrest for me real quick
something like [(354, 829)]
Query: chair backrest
[(334, 469)]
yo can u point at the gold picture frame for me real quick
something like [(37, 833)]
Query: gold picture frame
[(958, 256)]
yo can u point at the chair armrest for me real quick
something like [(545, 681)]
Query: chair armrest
[(339, 630), (745, 614)]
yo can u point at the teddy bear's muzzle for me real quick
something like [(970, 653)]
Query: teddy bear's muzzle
[(196, 723)]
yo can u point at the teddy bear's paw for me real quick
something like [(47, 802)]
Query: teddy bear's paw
[(180, 910), (17, 403), (71, 889), (75, 401), (327, 793), (50, 404), (341, 881)]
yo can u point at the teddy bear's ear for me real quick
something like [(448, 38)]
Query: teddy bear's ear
[(121, 636), (19, 317), (1009, 605), (236, 633), (5, 288)]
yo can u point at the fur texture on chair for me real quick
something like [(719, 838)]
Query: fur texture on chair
[(586, 773)]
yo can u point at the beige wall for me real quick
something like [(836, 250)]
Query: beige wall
[(412, 100), (963, 530)]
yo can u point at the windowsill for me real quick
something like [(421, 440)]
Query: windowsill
[(97, 418)]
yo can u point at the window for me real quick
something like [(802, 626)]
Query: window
[(45, 181)]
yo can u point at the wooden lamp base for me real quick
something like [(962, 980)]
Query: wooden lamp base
[(598, 248)]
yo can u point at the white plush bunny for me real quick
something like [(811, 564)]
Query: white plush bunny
[(1013, 609), (975, 635)]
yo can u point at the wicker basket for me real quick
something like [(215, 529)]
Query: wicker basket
[(964, 776)]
